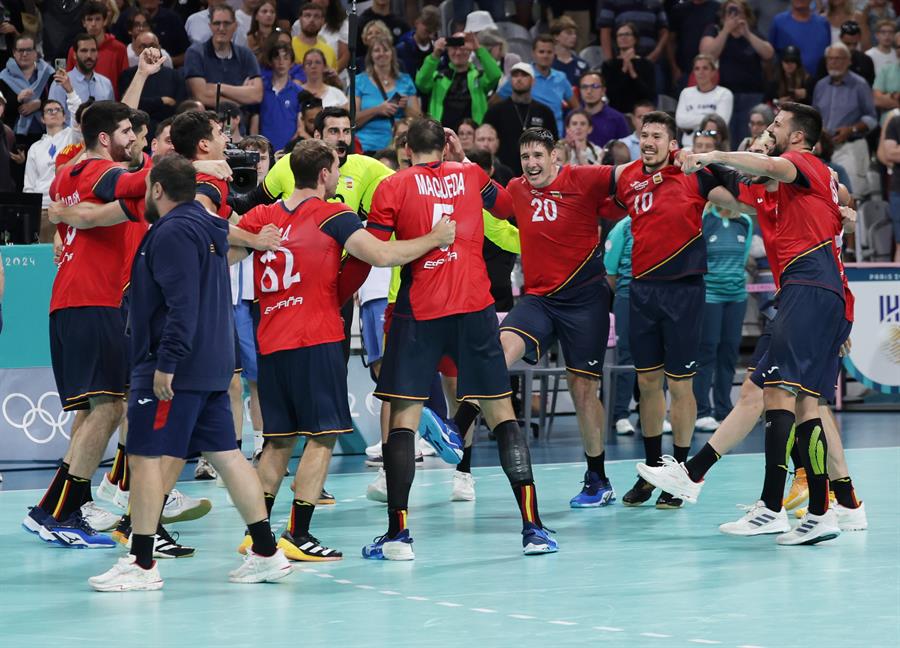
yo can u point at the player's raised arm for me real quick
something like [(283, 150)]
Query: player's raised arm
[(758, 164)]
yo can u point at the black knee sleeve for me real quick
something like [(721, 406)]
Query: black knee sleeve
[(514, 454), (399, 453)]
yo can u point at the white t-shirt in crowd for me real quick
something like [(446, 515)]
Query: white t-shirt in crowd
[(197, 28), (694, 105), (880, 59)]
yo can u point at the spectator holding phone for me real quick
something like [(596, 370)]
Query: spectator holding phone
[(383, 95)]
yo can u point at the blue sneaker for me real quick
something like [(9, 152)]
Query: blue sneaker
[(596, 492), (38, 522), (398, 548), (536, 540), (76, 533), (442, 436)]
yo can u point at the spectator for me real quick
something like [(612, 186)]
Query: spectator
[(335, 31), (486, 139), (499, 49), (81, 79), (728, 236), (565, 35), (262, 25), (578, 150), (162, 91), (761, 116), (848, 113), (466, 134), (25, 82), (383, 95), (636, 119), (40, 165), (230, 116), (886, 88), (112, 58), (697, 101), (741, 53), (629, 78), (138, 23), (380, 10), (388, 157), (809, 32), (373, 29), (218, 61), (169, 28), (617, 260), (312, 19), (607, 123), (463, 10), (688, 22), (718, 128), (874, 12), (551, 87), (310, 107), (859, 62), (244, 17), (512, 116), (890, 155), (648, 15), (279, 113), (417, 44), (704, 141), (314, 67), (792, 82), (883, 54), (839, 12), (61, 22), (460, 90), (8, 153), (297, 74), (824, 150)]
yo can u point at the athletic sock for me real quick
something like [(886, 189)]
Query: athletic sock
[(142, 549), (257, 441), (844, 493), (700, 463), (125, 482), (681, 453), (597, 464), (796, 457), (240, 444), (814, 450), (263, 540), (270, 502), (71, 497), (399, 453), (466, 464), (301, 515), (653, 449), (115, 473), (465, 416), (526, 496), (51, 496), (396, 521), (779, 439)]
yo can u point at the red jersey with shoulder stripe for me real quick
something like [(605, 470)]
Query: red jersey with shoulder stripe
[(447, 281), (765, 203), (297, 283), (217, 191), (558, 227), (93, 262), (666, 209)]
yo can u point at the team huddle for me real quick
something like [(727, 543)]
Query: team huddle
[(141, 310)]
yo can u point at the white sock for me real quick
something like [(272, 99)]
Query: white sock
[(257, 441)]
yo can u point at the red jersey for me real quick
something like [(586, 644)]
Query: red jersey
[(447, 281), (68, 152), (808, 228), (765, 203), (134, 209), (297, 283), (217, 191), (92, 260), (666, 209), (558, 227)]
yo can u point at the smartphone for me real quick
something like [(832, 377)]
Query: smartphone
[(455, 41), (60, 64), (395, 99)]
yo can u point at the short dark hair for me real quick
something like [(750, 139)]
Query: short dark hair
[(576, 112), (81, 37), (593, 72), (221, 6), (161, 126), (308, 101), (177, 177), (93, 8), (191, 127), (388, 154), (257, 143), (275, 49), (103, 117), (134, 14), (24, 36), (806, 119), (189, 105), (332, 112), (307, 6), (425, 135), (83, 107), (540, 136), (482, 158), (542, 38), (139, 119), (308, 159), (664, 118), (47, 102)]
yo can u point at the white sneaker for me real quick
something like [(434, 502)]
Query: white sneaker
[(204, 470), (374, 450), (812, 529), (757, 521), (851, 519), (184, 508), (667, 427), (259, 569), (672, 477), (463, 487), (106, 491), (624, 427), (99, 519), (706, 424), (377, 490), (120, 499), (127, 576)]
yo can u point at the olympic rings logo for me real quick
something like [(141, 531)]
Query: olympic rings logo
[(32, 412)]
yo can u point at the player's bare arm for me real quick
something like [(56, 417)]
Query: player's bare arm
[(86, 215), (268, 238), (757, 164), (382, 254)]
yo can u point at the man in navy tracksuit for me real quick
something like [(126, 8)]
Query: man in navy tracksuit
[(182, 354)]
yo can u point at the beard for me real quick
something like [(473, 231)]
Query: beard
[(119, 153), (151, 211), (342, 152)]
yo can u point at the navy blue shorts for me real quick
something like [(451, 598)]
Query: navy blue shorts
[(125, 309), (665, 321), (577, 316), (89, 354), (415, 348), (304, 391), (807, 333), (190, 423)]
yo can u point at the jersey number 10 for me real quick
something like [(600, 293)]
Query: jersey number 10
[(643, 202)]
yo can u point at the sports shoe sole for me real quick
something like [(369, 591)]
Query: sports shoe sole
[(397, 551), (293, 553), (538, 550), (766, 530), (600, 504), (190, 514), (668, 485), (666, 506), (40, 531), (142, 587), (432, 433), (825, 537), (266, 577)]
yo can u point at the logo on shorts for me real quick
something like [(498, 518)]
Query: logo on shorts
[(690, 364), (144, 401), (591, 363), (39, 421)]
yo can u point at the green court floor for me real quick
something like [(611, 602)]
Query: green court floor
[(623, 577)]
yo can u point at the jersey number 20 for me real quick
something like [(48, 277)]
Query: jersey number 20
[(543, 210)]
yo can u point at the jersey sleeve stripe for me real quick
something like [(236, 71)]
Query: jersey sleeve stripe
[(669, 258), (575, 272), (333, 216), (379, 226), (803, 254)]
